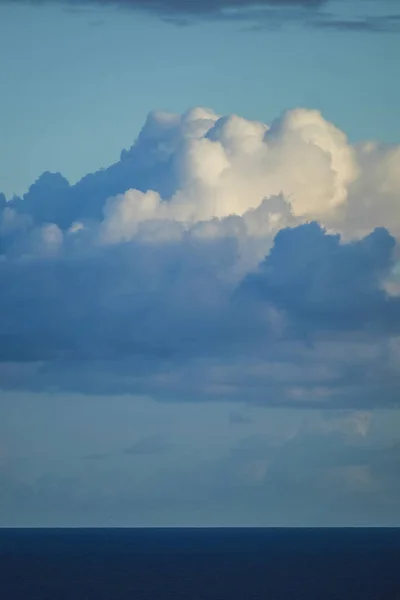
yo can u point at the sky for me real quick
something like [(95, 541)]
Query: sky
[(200, 263)]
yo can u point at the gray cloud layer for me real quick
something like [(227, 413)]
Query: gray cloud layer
[(332, 471), (262, 14)]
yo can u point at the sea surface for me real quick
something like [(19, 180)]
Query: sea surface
[(200, 564)]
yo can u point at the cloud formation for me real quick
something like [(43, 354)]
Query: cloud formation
[(260, 14), (340, 466), (219, 257), (323, 283), (388, 23)]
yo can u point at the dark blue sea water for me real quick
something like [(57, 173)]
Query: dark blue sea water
[(200, 564)]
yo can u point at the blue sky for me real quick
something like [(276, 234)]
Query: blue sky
[(205, 328), (79, 85)]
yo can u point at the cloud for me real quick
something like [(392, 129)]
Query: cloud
[(322, 283), (364, 24), (314, 476), (218, 258), (314, 454), (261, 14), (288, 467), (349, 422), (207, 8)]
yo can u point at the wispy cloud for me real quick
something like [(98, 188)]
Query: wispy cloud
[(389, 23), (259, 14)]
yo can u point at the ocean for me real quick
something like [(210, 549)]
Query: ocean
[(200, 564)]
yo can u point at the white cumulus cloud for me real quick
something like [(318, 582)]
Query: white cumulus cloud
[(214, 245)]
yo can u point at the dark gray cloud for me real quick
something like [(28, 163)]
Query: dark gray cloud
[(102, 324), (321, 283), (187, 7), (214, 6), (262, 13), (377, 24)]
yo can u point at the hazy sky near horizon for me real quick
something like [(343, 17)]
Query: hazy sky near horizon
[(200, 263)]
